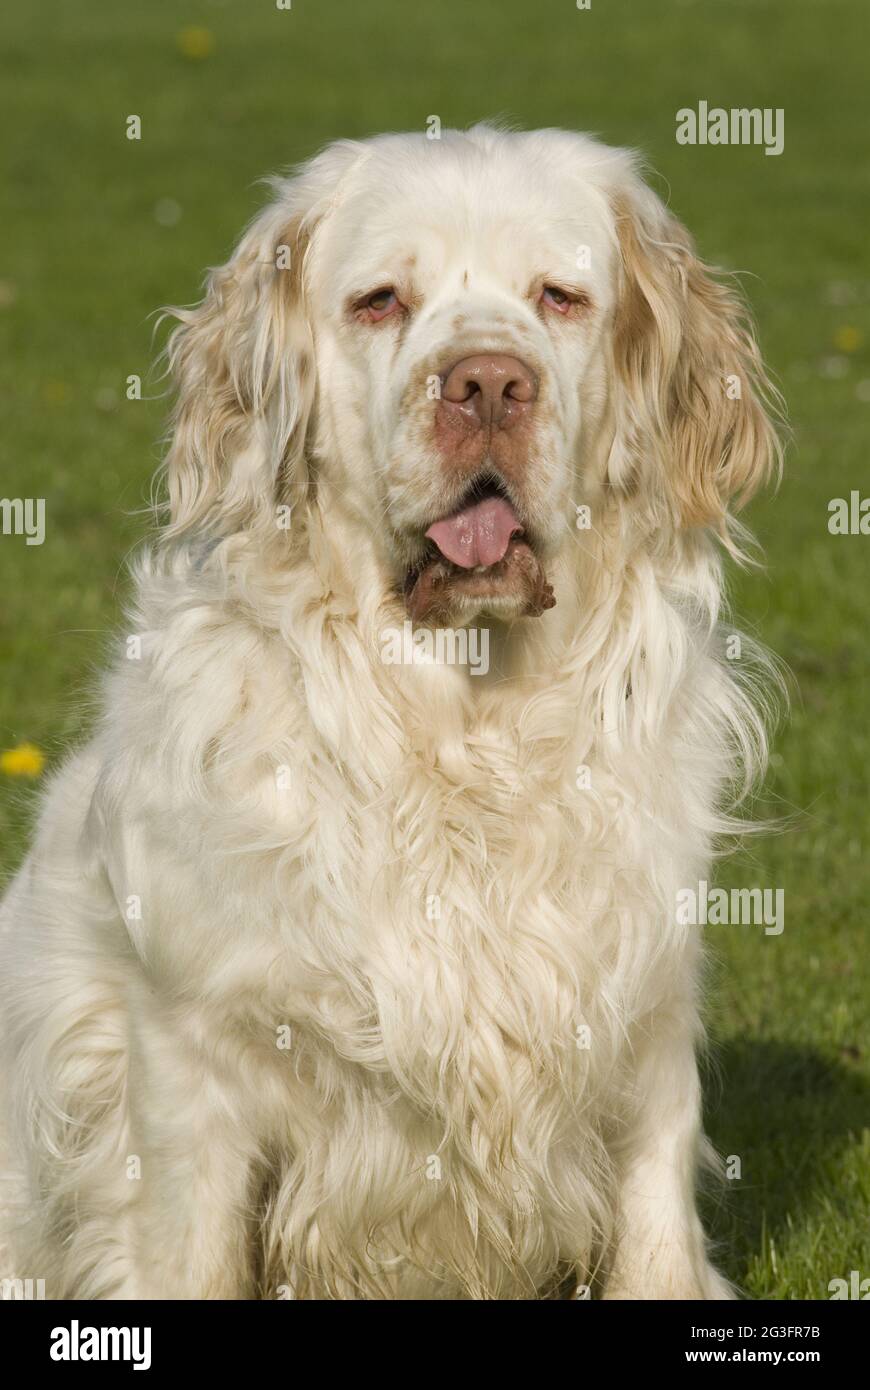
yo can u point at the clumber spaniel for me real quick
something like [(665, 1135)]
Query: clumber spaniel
[(338, 976)]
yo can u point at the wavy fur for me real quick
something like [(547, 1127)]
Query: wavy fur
[(288, 811)]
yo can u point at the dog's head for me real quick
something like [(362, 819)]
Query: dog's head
[(452, 343)]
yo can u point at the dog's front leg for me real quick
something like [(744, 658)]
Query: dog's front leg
[(660, 1250), (193, 1229)]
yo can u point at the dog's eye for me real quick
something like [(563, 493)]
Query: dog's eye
[(557, 299), (562, 301), (378, 305)]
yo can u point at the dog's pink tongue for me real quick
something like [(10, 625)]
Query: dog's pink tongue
[(478, 535)]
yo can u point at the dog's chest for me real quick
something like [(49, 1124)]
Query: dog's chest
[(456, 942)]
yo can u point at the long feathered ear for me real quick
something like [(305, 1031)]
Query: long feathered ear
[(694, 408), (243, 363)]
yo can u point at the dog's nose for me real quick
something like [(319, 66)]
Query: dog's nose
[(489, 391)]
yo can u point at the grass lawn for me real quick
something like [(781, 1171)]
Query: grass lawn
[(98, 231)]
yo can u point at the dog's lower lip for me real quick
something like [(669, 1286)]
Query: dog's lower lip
[(435, 585)]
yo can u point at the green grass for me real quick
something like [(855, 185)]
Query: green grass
[(84, 262)]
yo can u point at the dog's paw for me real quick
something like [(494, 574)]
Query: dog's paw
[(670, 1285)]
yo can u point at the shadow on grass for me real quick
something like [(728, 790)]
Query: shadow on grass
[(789, 1114)]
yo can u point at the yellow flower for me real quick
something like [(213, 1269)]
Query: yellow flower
[(56, 392), (24, 761), (847, 338), (196, 43)]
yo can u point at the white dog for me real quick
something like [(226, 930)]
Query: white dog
[(333, 976)]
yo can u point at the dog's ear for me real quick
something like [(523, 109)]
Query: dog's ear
[(243, 364), (693, 406)]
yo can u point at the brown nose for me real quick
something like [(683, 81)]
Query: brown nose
[(489, 391)]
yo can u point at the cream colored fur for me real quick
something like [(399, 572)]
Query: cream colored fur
[(272, 830)]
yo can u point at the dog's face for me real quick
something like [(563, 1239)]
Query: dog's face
[(458, 297), (455, 341)]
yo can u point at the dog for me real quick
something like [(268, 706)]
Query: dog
[(334, 976)]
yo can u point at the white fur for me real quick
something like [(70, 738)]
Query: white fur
[(285, 807)]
